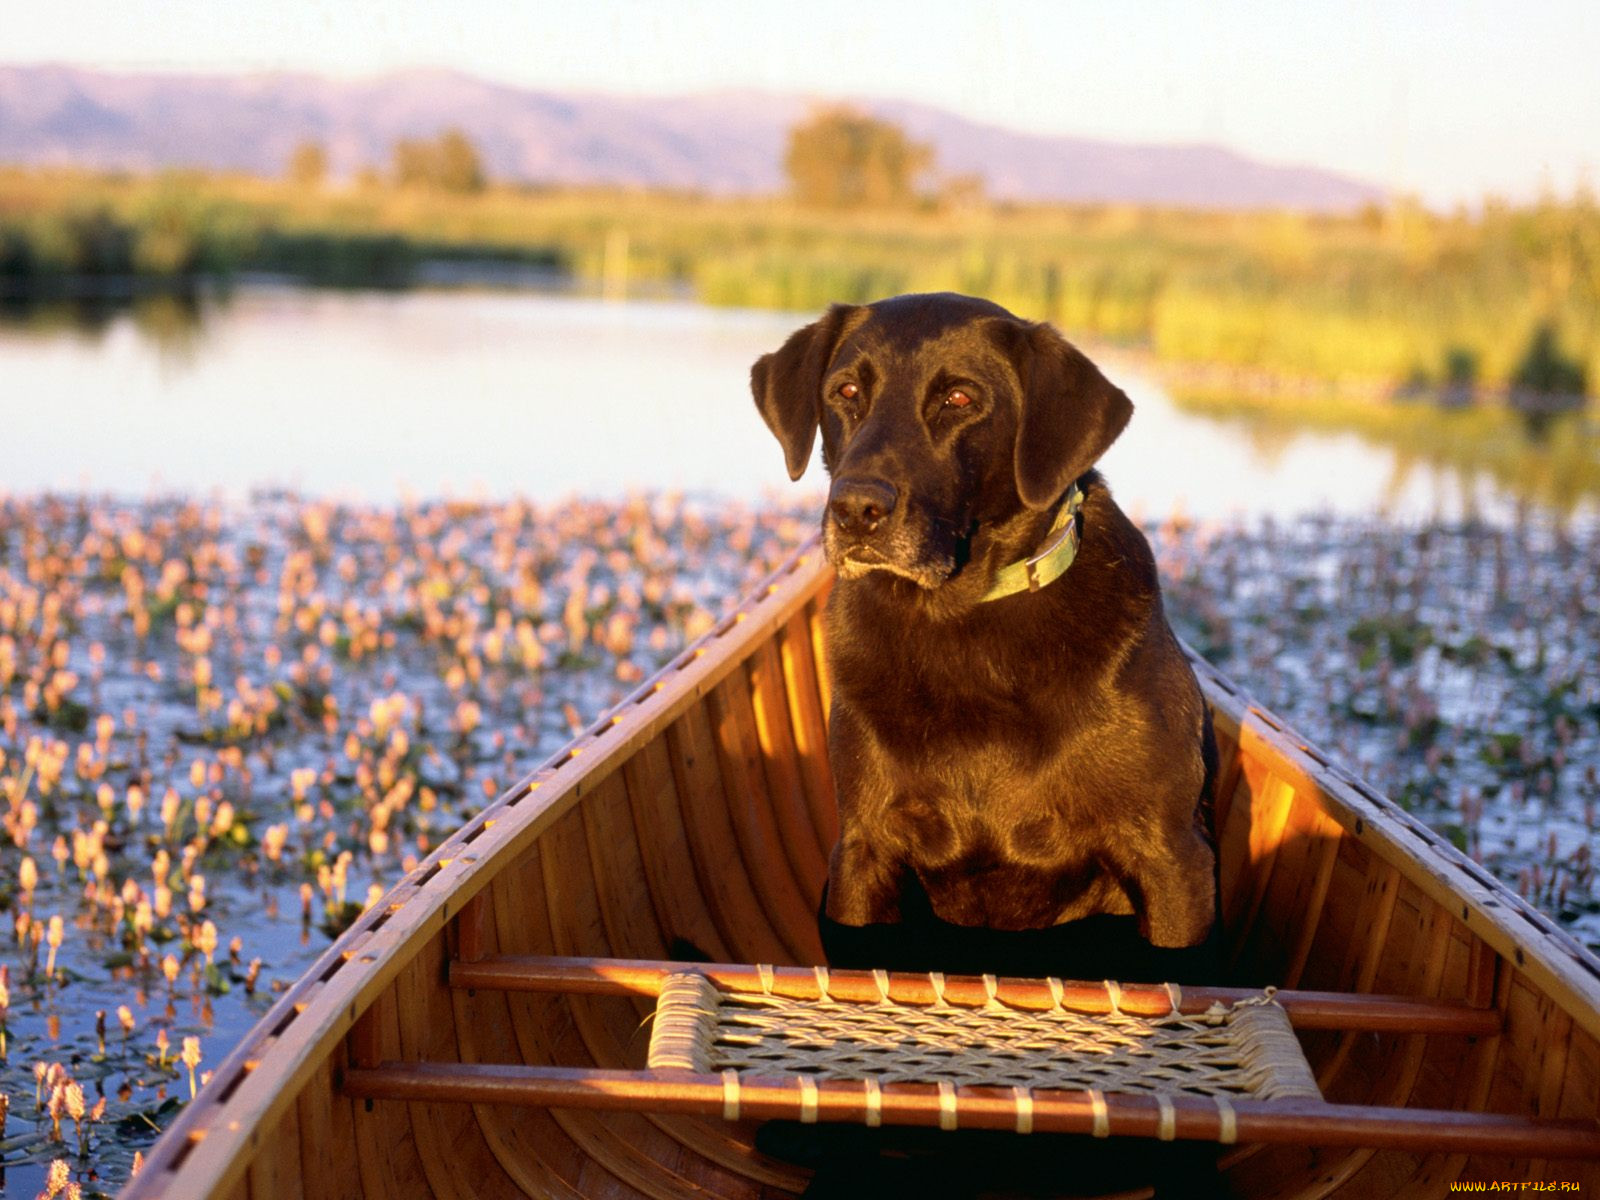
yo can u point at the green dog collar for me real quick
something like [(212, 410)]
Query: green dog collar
[(1051, 562)]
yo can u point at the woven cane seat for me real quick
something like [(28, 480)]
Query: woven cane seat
[(1246, 1050)]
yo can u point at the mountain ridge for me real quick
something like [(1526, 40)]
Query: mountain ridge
[(723, 142)]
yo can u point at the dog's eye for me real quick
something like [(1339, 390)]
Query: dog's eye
[(956, 398), (848, 391)]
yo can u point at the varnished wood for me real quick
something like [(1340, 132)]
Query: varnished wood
[(1307, 1010), (694, 820), (768, 705), (809, 720), (982, 1108), (469, 930), (275, 1170)]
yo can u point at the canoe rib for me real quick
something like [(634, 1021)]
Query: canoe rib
[(279, 1094)]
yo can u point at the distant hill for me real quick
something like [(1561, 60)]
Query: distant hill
[(721, 143)]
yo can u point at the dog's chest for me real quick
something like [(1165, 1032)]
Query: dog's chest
[(942, 819), (1006, 860), (960, 710)]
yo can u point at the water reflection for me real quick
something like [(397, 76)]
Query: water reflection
[(377, 394), (170, 320)]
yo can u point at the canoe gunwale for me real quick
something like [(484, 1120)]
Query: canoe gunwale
[(208, 1148)]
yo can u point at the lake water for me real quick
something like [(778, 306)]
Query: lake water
[(373, 396)]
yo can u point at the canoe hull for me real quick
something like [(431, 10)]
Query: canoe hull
[(699, 813)]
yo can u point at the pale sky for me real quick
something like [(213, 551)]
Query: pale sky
[(1451, 100)]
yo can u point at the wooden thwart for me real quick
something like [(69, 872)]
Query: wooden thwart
[(1306, 1010), (1221, 1116), (1192, 1118)]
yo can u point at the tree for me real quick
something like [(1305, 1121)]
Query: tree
[(459, 166), (413, 162), (449, 163), (842, 158), (308, 165), (1545, 370)]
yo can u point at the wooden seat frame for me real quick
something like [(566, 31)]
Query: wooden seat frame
[(1039, 1110)]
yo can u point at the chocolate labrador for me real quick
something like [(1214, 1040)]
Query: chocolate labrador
[(1017, 739), (1022, 755)]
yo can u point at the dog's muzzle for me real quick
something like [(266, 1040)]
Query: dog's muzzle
[(859, 506), (869, 528)]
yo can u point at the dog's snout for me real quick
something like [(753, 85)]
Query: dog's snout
[(859, 506)]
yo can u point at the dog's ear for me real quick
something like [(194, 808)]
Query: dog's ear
[(1070, 415), (788, 386)]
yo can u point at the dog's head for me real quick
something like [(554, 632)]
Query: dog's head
[(940, 415)]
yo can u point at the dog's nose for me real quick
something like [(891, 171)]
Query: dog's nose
[(859, 505)]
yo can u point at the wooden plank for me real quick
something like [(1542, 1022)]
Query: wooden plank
[(275, 1169), (786, 792), (615, 867), (1270, 800), (1233, 850), (1362, 954), (1363, 958), (1340, 925), (469, 926), (819, 656), (739, 905), (366, 1037), (809, 720), (1365, 1171), (488, 1033), (1229, 765), (633, 1150), (1554, 1057), (384, 1141), (676, 889), (532, 1145), (1580, 1097), (1514, 1086), (1471, 1078), (1366, 954), (328, 1162), (1313, 901), (458, 1163), (759, 841), (1266, 947), (571, 906)]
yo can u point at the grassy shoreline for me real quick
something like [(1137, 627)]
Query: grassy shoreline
[(1277, 319), (1370, 300)]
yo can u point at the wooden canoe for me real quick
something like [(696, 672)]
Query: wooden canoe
[(424, 1055)]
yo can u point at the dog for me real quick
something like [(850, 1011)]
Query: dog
[(1004, 762), (1022, 755)]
